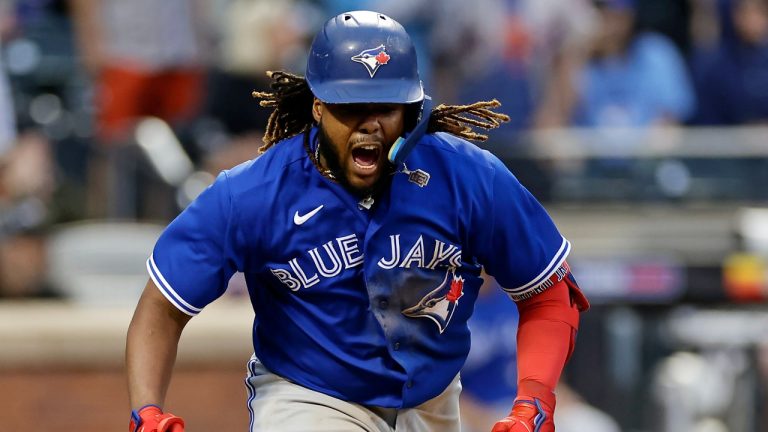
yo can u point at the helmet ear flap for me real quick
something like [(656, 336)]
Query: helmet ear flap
[(402, 146), (412, 115)]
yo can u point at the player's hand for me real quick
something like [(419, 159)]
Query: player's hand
[(151, 418), (528, 415)]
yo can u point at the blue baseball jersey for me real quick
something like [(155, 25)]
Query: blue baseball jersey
[(364, 303)]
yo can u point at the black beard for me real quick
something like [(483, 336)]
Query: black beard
[(333, 163), (331, 156)]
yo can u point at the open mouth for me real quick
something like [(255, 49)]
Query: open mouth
[(366, 156)]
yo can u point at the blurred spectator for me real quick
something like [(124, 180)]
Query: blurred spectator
[(463, 42), (539, 46), (250, 37), (26, 187), (632, 79), (557, 45), (731, 66), (146, 59), (509, 63)]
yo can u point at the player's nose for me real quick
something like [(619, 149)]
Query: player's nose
[(370, 122)]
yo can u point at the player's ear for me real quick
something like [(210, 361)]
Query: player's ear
[(317, 110)]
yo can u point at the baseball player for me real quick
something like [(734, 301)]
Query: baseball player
[(361, 231)]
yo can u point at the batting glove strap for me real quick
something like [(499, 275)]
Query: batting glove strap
[(150, 418)]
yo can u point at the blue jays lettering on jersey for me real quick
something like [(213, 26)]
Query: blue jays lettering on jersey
[(368, 305)]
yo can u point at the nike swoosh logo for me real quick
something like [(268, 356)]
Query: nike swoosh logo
[(300, 219)]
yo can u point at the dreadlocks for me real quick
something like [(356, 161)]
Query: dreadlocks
[(448, 118), (291, 100)]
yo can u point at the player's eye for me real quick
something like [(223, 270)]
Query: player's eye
[(385, 108), (350, 110), (345, 110)]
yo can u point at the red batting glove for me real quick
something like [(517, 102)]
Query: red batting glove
[(150, 418), (528, 415)]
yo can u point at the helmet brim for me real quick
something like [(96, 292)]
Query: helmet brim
[(395, 91)]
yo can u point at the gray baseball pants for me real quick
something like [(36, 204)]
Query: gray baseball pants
[(278, 405)]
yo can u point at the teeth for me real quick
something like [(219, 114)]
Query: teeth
[(369, 147), (365, 167)]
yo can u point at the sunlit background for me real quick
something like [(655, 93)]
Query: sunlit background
[(642, 125)]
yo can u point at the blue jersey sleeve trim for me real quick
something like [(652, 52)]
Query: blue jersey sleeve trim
[(167, 291), (562, 253)]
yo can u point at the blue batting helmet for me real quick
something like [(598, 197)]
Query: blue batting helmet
[(363, 57)]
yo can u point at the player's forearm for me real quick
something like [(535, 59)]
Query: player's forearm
[(149, 368), (545, 339), (540, 370), (153, 337)]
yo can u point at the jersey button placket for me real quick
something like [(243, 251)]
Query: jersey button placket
[(383, 304), (396, 346)]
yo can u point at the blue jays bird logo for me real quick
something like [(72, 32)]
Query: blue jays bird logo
[(441, 302), (372, 59)]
